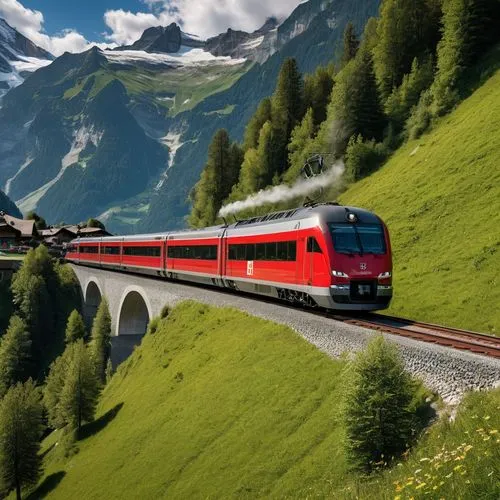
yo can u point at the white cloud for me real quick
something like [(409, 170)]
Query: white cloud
[(30, 23), (201, 17)]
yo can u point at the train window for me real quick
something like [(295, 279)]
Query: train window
[(250, 251), (280, 251), (241, 252), (271, 253), (89, 249), (313, 245), (110, 250), (142, 251), (197, 252), (260, 251)]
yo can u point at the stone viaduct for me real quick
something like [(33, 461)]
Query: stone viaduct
[(133, 302)]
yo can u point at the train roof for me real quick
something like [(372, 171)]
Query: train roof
[(325, 212)]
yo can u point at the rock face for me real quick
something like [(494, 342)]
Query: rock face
[(257, 46), (18, 57), (158, 39), (13, 44)]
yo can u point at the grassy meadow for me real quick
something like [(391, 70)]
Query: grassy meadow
[(219, 404)]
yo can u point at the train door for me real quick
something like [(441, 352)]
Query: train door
[(308, 267), (169, 261), (222, 256)]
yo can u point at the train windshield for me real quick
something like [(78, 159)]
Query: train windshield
[(358, 238)]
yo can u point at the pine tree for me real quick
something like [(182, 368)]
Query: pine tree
[(406, 96), (21, 429), (101, 339), (252, 130), (36, 294), (469, 28), (406, 30), (75, 329), (81, 387), (15, 351), (355, 106), (351, 44), (317, 92), (301, 136), (52, 390), (287, 110), (216, 181), (258, 167), (379, 422)]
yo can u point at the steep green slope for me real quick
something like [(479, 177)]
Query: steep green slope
[(215, 404), (440, 196), (218, 404)]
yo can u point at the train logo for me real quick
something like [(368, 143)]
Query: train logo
[(250, 268), (362, 266)]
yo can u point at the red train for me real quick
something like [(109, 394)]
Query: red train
[(325, 255)]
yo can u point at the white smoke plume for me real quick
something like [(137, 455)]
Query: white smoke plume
[(281, 193)]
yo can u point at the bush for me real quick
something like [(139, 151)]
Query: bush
[(363, 157), (381, 407), (420, 116)]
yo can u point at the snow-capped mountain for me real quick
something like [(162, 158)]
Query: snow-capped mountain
[(123, 134), (18, 57), (257, 46)]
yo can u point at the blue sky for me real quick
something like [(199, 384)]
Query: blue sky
[(86, 17), (75, 25)]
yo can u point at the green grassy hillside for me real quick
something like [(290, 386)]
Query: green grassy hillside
[(219, 404), (215, 404), (440, 196)]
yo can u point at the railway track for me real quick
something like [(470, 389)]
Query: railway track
[(478, 343), (466, 340)]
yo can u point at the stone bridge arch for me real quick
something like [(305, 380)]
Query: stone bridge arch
[(133, 315), (134, 312), (92, 298)]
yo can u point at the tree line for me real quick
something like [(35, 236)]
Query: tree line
[(51, 369), (407, 68)]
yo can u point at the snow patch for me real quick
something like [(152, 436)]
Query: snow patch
[(29, 64), (185, 57), (21, 168), (186, 101), (253, 44), (173, 141)]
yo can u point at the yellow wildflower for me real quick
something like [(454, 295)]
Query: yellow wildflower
[(494, 431), (421, 485)]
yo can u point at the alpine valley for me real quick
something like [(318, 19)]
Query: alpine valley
[(122, 134)]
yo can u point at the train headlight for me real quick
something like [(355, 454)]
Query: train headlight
[(384, 276), (352, 217), (340, 274)]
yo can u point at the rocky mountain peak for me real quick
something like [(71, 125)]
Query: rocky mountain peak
[(166, 39)]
